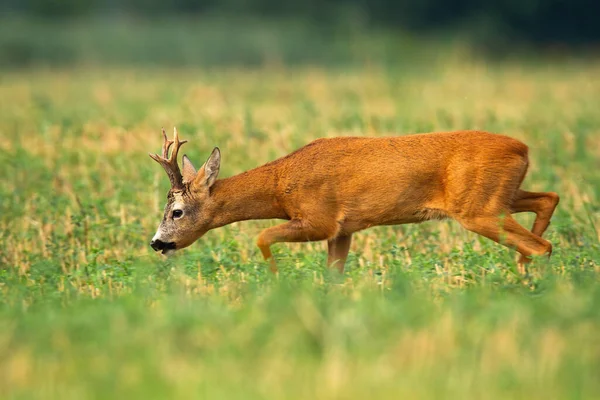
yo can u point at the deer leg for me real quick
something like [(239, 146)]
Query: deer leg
[(292, 231), (542, 204), (505, 230), (337, 251)]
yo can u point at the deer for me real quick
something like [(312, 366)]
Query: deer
[(334, 187)]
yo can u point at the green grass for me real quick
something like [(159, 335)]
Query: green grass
[(87, 310), (208, 41)]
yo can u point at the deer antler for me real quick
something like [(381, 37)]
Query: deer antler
[(170, 163)]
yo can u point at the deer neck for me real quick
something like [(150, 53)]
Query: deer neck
[(249, 195)]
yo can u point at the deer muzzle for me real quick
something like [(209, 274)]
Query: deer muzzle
[(159, 245)]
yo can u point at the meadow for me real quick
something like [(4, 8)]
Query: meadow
[(89, 311)]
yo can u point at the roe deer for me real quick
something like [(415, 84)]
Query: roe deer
[(331, 188)]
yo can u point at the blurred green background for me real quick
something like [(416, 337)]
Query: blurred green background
[(257, 32)]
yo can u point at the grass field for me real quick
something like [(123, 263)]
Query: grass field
[(88, 311)]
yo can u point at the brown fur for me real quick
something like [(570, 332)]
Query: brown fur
[(331, 188)]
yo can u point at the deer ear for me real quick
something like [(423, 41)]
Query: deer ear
[(210, 170), (188, 172)]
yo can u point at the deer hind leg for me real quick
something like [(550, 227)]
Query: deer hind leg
[(337, 251), (505, 230), (293, 231), (542, 204)]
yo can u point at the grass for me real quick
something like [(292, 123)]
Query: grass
[(209, 41), (87, 310)]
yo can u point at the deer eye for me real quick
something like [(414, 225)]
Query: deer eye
[(177, 213)]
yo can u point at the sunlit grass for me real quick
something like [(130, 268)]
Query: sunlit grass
[(424, 310)]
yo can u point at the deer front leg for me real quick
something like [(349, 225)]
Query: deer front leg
[(338, 251), (292, 231)]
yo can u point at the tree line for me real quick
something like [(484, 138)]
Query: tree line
[(536, 21)]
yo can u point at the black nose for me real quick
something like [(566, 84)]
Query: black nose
[(158, 245)]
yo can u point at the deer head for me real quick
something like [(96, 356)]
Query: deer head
[(187, 214)]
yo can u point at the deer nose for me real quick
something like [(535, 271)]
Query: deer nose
[(158, 245)]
